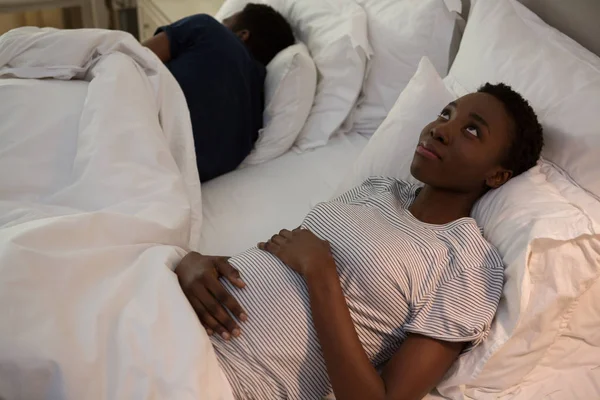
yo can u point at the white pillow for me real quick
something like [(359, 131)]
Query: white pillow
[(550, 246), (231, 7), (551, 249), (391, 149), (335, 32), (400, 33), (289, 93), (505, 42)]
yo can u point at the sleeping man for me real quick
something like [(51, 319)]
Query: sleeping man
[(380, 290), (221, 70)]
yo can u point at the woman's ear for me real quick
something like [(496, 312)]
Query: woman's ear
[(498, 178)]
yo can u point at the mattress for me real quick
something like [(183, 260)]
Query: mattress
[(253, 203)]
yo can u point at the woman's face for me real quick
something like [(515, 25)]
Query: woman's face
[(463, 148)]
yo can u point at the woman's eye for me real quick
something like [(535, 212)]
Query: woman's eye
[(473, 131), (445, 115)]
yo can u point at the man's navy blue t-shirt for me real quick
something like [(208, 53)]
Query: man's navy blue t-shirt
[(224, 89)]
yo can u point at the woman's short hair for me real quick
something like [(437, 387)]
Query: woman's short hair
[(528, 138)]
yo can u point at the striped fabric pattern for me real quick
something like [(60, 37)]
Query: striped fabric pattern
[(399, 276)]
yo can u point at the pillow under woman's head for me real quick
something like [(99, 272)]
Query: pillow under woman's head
[(506, 42)]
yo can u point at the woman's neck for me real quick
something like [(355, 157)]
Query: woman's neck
[(437, 206)]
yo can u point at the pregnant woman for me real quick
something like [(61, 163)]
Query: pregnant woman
[(380, 290)]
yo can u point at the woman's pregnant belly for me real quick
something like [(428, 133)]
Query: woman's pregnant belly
[(278, 354)]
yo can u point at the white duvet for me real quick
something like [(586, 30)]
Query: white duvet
[(99, 198)]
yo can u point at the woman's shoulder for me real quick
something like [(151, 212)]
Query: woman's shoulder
[(470, 246), (384, 183), (404, 191)]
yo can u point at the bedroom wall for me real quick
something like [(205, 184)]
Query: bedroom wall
[(579, 19), (576, 18), (53, 18)]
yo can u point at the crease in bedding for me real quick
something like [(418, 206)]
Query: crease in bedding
[(89, 306)]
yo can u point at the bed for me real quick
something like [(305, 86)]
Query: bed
[(243, 208), (92, 224), (251, 204)]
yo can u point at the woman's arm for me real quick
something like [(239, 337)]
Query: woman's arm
[(350, 371), (413, 371)]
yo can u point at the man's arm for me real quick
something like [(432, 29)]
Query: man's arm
[(160, 46), (181, 35)]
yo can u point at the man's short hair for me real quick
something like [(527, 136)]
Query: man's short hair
[(269, 31), (528, 139)]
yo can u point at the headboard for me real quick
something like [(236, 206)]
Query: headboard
[(578, 19)]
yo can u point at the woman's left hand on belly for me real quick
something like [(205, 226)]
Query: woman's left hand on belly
[(301, 250), (199, 276)]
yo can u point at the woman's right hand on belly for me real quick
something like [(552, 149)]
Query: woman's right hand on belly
[(199, 278)]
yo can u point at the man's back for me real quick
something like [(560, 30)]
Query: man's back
[(223, 86)]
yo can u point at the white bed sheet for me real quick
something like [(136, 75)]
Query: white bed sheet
[(251, 204)]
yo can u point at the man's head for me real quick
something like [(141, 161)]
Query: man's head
[(262, 29), (479, 142)]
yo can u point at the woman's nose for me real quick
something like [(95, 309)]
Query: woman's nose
[(440, 134)]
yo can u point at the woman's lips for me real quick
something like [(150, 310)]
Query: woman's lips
[(422, 150)]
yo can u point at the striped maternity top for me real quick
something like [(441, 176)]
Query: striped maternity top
[(399, 276)]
